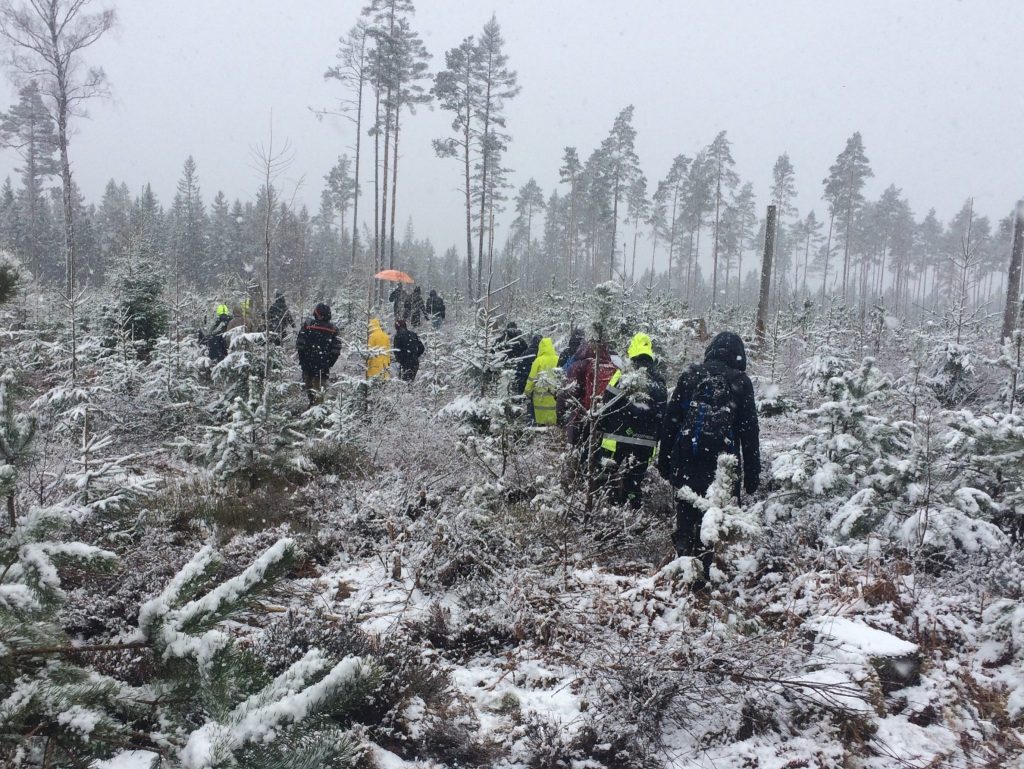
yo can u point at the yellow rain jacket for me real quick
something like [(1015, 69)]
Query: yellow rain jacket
[(380, 349), (543, 383)]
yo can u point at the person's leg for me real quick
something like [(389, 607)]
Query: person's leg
[(633, 464), (317, 391), (686, 537)]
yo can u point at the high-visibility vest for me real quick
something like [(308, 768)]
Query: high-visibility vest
[(610, 441)]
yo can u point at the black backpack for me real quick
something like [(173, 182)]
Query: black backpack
[(707, 429)]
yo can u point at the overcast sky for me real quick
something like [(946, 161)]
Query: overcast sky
[(934, 86)]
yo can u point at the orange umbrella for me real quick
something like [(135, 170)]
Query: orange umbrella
[(394, 275)]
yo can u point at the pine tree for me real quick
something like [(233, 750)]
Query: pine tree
[(354, 71), (29, 128), (844, 187), (719, 154), (675, 191), (698, 199), (783, 191), (456, 89), (638, 209), (569, 173), (496, 84), (529, 201), (341, 192), (622, 167), (17, 429), (49, 37)]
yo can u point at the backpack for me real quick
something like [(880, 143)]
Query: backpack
[(707, 429), (595, 389)]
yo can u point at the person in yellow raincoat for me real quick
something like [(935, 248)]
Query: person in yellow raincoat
[(543, 382), (379, 363)]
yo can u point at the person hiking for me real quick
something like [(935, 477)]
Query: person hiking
[(568, 355), (711, 412), (279, 317), (435, 309), (408, 349), (318, 346), (414, 308), (585, 384), (216, 343), (379, 362), (524, 364), (630, 421), (398, 299), (510, 346), (542, 383)]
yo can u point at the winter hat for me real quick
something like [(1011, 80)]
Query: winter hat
[(640, 345), (400, 325), (222, 310), (322, 312)]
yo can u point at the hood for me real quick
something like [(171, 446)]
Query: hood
[(640, 345), (727, 348), (546, 347), (375, 325)]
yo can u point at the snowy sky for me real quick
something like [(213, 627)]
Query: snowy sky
[(933, 85)]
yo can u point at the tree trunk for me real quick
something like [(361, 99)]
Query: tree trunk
[(394, 182), (384, 189), (714, 250), (615, 228), (828, 251), (376, 180), (766, 277), (469, 196), (1013, 275), (484, 168), (359, 139)]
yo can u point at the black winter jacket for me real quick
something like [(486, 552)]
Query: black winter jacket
[(435, 307), (318, 346), (635, 418), (725, 363), (408, 348)]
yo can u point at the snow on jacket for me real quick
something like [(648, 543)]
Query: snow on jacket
[(380, 351), (634, 405), (435, 306), (318, 346), (408, 348), (542, 383), (586, 381), (724, 366)]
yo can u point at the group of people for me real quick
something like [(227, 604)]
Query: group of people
[(617, 413), (619, 416), (410, 306), (247, 314), (317, 342)]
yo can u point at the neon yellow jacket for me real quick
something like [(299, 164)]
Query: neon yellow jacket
[(543, 382), (380, 349)]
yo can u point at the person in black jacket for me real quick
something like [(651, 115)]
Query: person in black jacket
[(630, 422), (318, 346), (524, 364), (400, 300), (712, 411), (216, 344), (279, 318), (408, 350), (414, 309), (435, 309)]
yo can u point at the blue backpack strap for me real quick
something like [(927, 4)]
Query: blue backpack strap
[(698, 426)]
